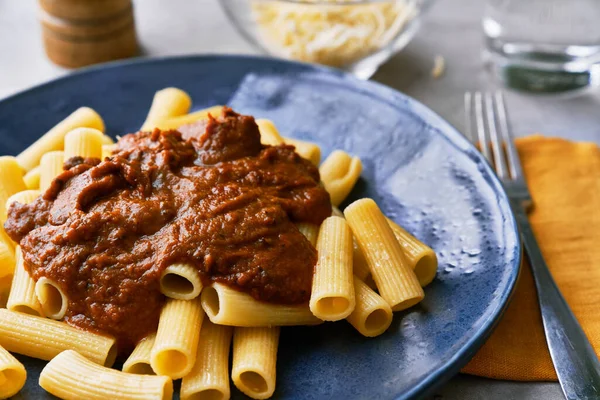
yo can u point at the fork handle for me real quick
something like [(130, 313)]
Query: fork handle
[(574, 359)]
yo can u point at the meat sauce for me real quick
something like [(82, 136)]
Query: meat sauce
[(213, 197)]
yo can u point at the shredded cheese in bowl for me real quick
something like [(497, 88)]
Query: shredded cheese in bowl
[(337, 34)]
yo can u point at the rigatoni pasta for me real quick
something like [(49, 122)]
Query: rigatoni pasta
[(139, 360), (174, 351), (52, 298), (176, 122), (336, 212), (307, 150), (397, 283), (360, 266), (167, 103), (44, 338), (23, 197), (83, 142), (209, 379), (372, 315), (271, 136), (51, 165), (107, 140), (339, 172), (227, 306), (5, 284), (7, 260), (12, 375), (268, 133), (11, 182), (332, 295), (180, 281), (22, 297), (4, 238), (253, 370), (71, 376), (32, 178), (421, 258), (107, 150), (54, 138)]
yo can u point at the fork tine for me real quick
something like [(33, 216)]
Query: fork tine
[(469, 117), (497, 148), (481, 132), (513, 156)]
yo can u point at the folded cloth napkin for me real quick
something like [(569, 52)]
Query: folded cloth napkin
[(564, 181)]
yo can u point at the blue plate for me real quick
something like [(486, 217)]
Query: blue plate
[(418, 168)]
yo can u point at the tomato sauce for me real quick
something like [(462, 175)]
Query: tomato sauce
[(213, 197)]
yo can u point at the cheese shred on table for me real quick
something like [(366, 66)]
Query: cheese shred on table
[(336, 34)]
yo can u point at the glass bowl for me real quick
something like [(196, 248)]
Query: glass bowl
[(357, 36)]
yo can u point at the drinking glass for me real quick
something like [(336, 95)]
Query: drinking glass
[(544, 45)]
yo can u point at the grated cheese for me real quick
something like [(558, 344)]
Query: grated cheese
[(336, 34)]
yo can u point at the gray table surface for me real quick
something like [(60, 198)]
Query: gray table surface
[(452, 29)]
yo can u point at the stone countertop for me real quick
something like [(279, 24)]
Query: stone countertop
[(451, 29)]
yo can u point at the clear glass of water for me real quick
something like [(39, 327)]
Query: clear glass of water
[(544, 45)]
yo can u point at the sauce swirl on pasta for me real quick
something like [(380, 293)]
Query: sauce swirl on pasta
[(210, 196)]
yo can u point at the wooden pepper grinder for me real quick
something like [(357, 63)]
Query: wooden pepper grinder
[(83, 32)]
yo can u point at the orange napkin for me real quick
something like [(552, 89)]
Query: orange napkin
[(564, 181)]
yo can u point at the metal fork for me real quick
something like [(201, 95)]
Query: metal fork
[(574, 359)]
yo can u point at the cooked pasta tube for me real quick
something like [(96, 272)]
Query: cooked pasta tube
[(370, 282), (209, 378), (339, 172), (396, 281), (4, 238), (22, 296), (332, 295), (83, 142), (268, 133), (359, 264), (71, 376), (44, 338), (32, 178), (54, 138), (138, 361), (336, 211), (308, 150), (226, 306), (360, 267), (52, 298), (11, 182), (167, 103), (372, 314), (23, 197), (253, 369), (7, 260), (51, 166), (174, 351), (421, 258), (5, 284), (181, 281), (107, 140), (12, 375), (107, 150), (310, 231), (176, 122)]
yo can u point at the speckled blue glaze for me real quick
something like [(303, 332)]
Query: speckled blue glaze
[(420, 170)]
